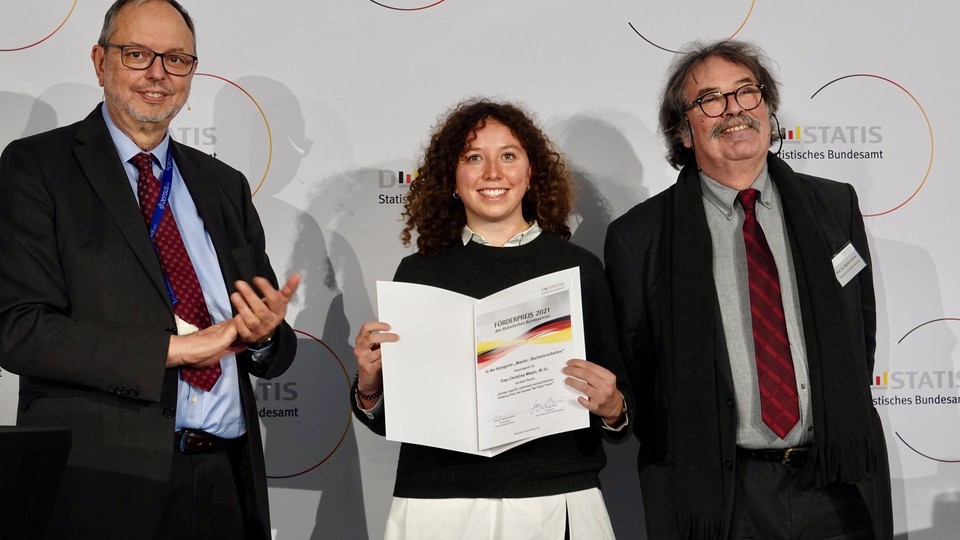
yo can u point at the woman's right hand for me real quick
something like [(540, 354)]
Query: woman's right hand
[(367, 353)]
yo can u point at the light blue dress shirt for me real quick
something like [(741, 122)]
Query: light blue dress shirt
[(218, 411)]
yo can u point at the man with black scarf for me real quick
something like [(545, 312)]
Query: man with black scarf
[(745, 303)]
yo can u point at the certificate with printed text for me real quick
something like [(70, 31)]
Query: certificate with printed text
[(482, 376)]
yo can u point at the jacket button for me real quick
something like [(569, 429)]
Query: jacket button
[(169, 412), (730, 403), (728, 464)]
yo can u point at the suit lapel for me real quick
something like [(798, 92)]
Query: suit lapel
[(208, 198), (101, 165)]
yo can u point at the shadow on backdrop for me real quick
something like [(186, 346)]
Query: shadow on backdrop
[(606, 171), (605, 168), (311, 454), (945, 519), (24, 115), (906, 281), (361, 209), (58, 105)]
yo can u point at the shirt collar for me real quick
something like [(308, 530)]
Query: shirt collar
[(519, 239), (724, 198), (126, 147)]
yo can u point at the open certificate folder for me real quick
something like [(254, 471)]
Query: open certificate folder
[(482, 376)]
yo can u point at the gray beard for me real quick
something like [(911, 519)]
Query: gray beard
[(157, 116)]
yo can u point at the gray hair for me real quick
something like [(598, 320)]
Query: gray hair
[(110, 19), (673, 101)]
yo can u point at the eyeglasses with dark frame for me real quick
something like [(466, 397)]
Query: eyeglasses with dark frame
[(141, 58), (714, 104)]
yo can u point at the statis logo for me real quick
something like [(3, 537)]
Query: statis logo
[(926, 394), (393, 179), (833, 134)]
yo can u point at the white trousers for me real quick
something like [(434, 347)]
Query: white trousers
[(534, 518)]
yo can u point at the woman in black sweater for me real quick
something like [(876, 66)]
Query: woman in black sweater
[(490, 208)]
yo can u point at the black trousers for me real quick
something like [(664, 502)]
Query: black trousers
[(207, 497), (769, 504)]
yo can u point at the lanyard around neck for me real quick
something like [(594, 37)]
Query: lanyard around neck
[(166, 183)]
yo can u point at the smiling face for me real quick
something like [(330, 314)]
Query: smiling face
[(143, 102), (735, 143), (493, 175)]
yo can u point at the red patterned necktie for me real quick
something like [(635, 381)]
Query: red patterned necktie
[(779, 405), (181, 277)]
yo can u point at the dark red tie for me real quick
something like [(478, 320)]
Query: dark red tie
[(190, 305), (779, 405)]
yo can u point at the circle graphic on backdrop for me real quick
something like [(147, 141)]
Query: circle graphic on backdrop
[(248, 143), (901, 200), (46, 37), (408, 5), (928, 389), (316, 386), (684, 12)]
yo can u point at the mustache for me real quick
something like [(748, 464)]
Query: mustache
[(733, 121)]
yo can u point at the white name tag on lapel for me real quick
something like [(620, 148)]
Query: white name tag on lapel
[(847, 263)]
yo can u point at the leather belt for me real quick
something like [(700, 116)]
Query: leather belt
[(791, 457), (194, 441)]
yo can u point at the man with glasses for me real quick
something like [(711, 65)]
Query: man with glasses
[(745, 302), (136, 299)]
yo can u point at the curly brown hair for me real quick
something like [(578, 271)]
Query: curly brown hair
[(439, 218)]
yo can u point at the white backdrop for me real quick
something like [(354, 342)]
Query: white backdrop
[(324, 105)]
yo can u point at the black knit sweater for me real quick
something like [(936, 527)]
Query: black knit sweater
[(547, 466)]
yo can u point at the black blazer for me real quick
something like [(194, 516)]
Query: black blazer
[(85, 320), (639, 270)]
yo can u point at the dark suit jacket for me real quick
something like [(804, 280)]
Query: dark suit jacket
[(638, 263), (85, 320)]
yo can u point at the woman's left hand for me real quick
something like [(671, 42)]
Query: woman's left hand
[(598, 386)]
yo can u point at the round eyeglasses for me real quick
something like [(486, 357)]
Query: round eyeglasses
[(714, 104), (140, 58)]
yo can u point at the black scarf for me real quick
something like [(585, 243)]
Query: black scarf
[(844, 448)]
